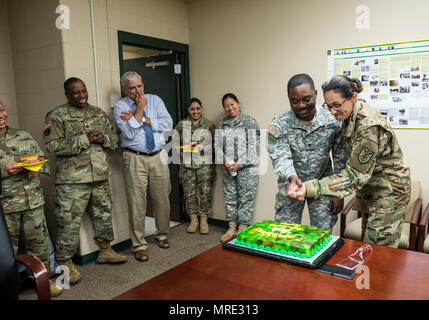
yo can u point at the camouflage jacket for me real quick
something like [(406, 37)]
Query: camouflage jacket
[(304, 151), (19, 192), (375, 169), (199, 137), (65, 135), (239, 140)]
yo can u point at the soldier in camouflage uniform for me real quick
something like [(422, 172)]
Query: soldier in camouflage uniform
[(197, 176), (300, 142), (22, 197), (79, 134), (375, 169), (240, 159)]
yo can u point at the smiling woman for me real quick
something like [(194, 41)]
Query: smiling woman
[(341, 94), (196, 177), (21, 196), (240, 159), (231, 106)]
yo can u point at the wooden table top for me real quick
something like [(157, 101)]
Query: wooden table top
[(223, 274)]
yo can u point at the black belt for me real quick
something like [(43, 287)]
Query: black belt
[(150, 154)]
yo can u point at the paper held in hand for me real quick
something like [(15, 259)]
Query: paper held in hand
[(192, 147), (34, 166)]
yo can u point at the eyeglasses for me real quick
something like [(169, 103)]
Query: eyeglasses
[(336, 108)]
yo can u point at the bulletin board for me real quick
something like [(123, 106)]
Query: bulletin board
[(395, 79)]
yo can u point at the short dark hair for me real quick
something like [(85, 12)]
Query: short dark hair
[(343, 85), (300, 79), (229, 95), (192, 100), (70, 81)]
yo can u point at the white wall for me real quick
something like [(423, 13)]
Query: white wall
[(252, 48)]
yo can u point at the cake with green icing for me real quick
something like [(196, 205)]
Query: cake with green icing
[(290, 239)]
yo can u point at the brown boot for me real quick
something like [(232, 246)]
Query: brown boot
[(230, 233), (193, 226), (107, 254), (204, 226), (55, 290), (74, 275)]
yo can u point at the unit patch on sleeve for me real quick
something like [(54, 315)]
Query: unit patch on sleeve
[(365, 155), (47, 128)]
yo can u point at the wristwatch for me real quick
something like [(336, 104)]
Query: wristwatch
[(144, 119)]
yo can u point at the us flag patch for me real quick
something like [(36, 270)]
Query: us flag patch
[(272, 130)]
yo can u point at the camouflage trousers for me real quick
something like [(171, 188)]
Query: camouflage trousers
[(197, 188), (239, 194), (290, 210), (383, 229), (71, 201), (33, 224), (383, 218)]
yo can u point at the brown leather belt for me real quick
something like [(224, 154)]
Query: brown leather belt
[(150, 154)]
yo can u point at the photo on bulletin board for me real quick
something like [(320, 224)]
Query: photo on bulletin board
[(395, 79)]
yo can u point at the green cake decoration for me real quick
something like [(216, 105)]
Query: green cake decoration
[(289, 239)]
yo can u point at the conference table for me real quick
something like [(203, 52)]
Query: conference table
[(223, 274)]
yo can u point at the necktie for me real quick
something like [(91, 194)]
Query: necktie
[(150, 142)]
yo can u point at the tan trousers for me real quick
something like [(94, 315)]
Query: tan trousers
[(141, 171)]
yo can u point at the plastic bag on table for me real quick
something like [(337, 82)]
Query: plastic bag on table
[(357, 258)]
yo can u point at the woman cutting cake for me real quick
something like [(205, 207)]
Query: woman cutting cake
[(375, 170)]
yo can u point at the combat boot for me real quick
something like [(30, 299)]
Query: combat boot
[(204, 227), (107, 254), (193, 226), (55, 290), (74, 275), (230, 233)]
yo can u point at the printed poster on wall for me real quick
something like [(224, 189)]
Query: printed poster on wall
[(395, 79)]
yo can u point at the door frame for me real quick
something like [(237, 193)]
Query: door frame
[(137, 40)]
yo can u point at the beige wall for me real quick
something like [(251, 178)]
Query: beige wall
[(165, 19), (37, 61), (38, 72), (253, 47), (7, 83)]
